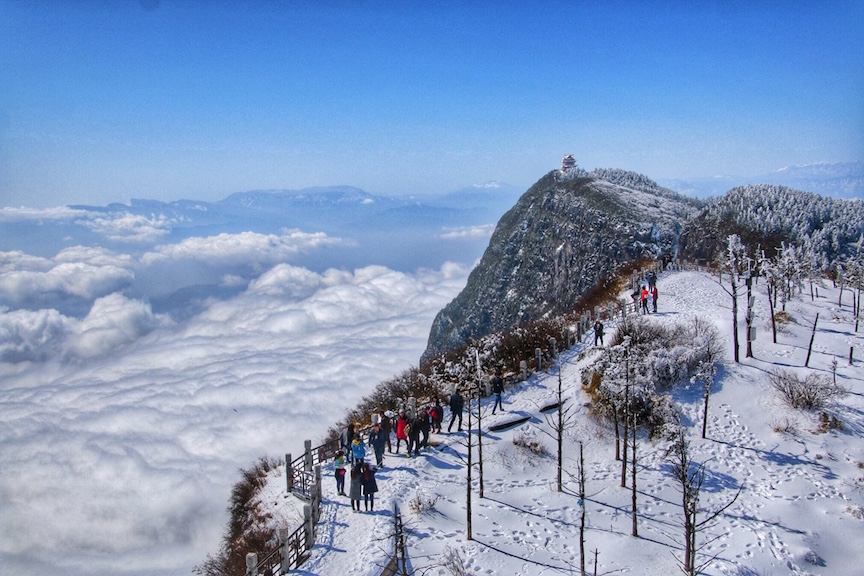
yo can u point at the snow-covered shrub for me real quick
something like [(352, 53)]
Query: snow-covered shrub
[(526, 440), (452, 562), (422, 503), (812, 393), (828, 422), (645, 359), (784, 426)]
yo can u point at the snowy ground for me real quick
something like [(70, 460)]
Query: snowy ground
[(800, 511)]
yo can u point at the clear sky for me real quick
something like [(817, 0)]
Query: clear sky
[(104, 101)]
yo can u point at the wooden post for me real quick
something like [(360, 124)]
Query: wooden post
[(307, 455)]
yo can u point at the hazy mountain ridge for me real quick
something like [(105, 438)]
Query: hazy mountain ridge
[(834, 179)]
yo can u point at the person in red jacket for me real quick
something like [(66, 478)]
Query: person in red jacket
[(401, 435), (645, 300)]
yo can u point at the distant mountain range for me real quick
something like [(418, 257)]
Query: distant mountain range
[(834, 179)]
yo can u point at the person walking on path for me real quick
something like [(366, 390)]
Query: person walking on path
[(346, 439), (378, 441), (401, 433), (356, 491), (358, 449), (414, 426), (370, 487), (598, 333), (425, 427), (437, 415), (497, 390), (654, 298), (387, 427), (457, 404), (340, 472)]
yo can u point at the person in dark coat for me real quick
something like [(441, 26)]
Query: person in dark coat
[(425, 427), (654, 295), (598, 332), (370, 486), (356, 490), (497, 390), (457, 404), (378, 441), (414, 427), (387, 427)]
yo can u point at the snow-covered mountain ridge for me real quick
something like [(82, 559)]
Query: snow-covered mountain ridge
[(802, 489)]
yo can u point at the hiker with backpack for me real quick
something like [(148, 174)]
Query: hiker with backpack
[(598, 332)]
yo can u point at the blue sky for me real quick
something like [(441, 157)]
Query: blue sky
[(106, 101)]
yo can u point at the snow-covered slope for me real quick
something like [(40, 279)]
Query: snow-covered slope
[(799, 511)]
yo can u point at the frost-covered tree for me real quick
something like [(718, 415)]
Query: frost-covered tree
[(732, 263)]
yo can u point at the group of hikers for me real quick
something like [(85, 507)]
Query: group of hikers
[(412, 429), (641, 295), (648, 293)]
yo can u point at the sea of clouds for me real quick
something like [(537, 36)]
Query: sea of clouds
[(122, 429)]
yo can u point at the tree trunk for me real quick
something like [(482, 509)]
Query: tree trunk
[(735, 318), (771, 309), (812, 336), (635, 531)]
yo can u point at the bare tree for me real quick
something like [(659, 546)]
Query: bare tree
[(707, 338), (690, 477), (563, 419)]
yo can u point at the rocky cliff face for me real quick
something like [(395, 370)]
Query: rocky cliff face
[(563, 236)]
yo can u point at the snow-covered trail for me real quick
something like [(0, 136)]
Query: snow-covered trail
[(802, 493)]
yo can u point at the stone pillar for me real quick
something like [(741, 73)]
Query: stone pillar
[(307, 455), (553, 346), (283, 550), (251, 564), (412, 407), (538, 353), (309, 523), (289, 472), (523, 367)]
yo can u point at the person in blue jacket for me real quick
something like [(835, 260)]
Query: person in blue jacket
[(358, 449)]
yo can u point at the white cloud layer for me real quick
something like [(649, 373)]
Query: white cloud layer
[(122, 461)]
